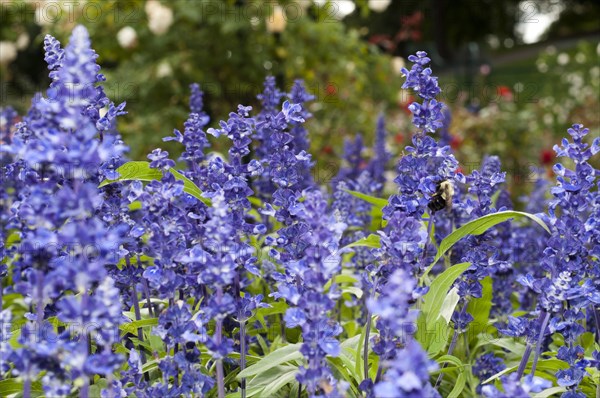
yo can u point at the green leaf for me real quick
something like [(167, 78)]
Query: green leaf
[(549, 391), (510, 344), (434, 299), (449, 305), (266, 379), (340, 278), (12, 386), (553, 365), (451, 359), (459, 384), (278, 307), (377, 202), (341, 367), (132, 327), (480, 308), (135, 170), (372, 240), (358, 363), (141, 171), (477, 227), (461, 379), (356, 291), (279, 383), (431, 323), (96, 388), (255, 201), (284, 354)]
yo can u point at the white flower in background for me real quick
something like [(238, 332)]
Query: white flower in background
[(127, 37), (164, 70), (160, 18), (276, 22), (337, 9), (22, 41), (379, 5), (8, 52), (397, 64), (562, 59)]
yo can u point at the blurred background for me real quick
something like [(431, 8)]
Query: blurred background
[(515, 74)]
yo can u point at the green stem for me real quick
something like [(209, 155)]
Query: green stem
[(243, 354), (450, 351), (366, 346)]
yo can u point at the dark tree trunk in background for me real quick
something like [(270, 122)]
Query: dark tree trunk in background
[(440, 32)]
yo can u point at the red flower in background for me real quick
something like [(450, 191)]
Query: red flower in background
[(327, 149), (398, 138), (404, 104), (547, 157), (455, 142), (505, 93), (330, 89)]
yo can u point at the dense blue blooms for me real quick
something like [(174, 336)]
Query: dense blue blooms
[(148, 290), (486, 366), (427, 116), (408, 375), (193, 137), (63, 246)]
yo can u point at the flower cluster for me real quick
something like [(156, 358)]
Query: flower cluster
[(240, 275), (63, 247)]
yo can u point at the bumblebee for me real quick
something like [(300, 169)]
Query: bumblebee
[(442, 198)]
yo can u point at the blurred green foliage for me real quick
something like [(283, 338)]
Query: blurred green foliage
[(230, 46), (223, 45)]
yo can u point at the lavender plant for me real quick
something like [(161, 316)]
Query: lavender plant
[(240, 275)]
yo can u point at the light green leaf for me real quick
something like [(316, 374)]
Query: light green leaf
[(141, 171), (449, 305), (434, 299), (372, 240), (284, 354), (377, 202), (459, 384), (255, 201), (450, 359), (480, 308), (461, 378), (510, 344), (340, 278), (549, 391), (279, 383), (132, 327), (358, 363), (432, 326), (265, 379), (477, 227), (552, 365), (356, 291), (12, 386)]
